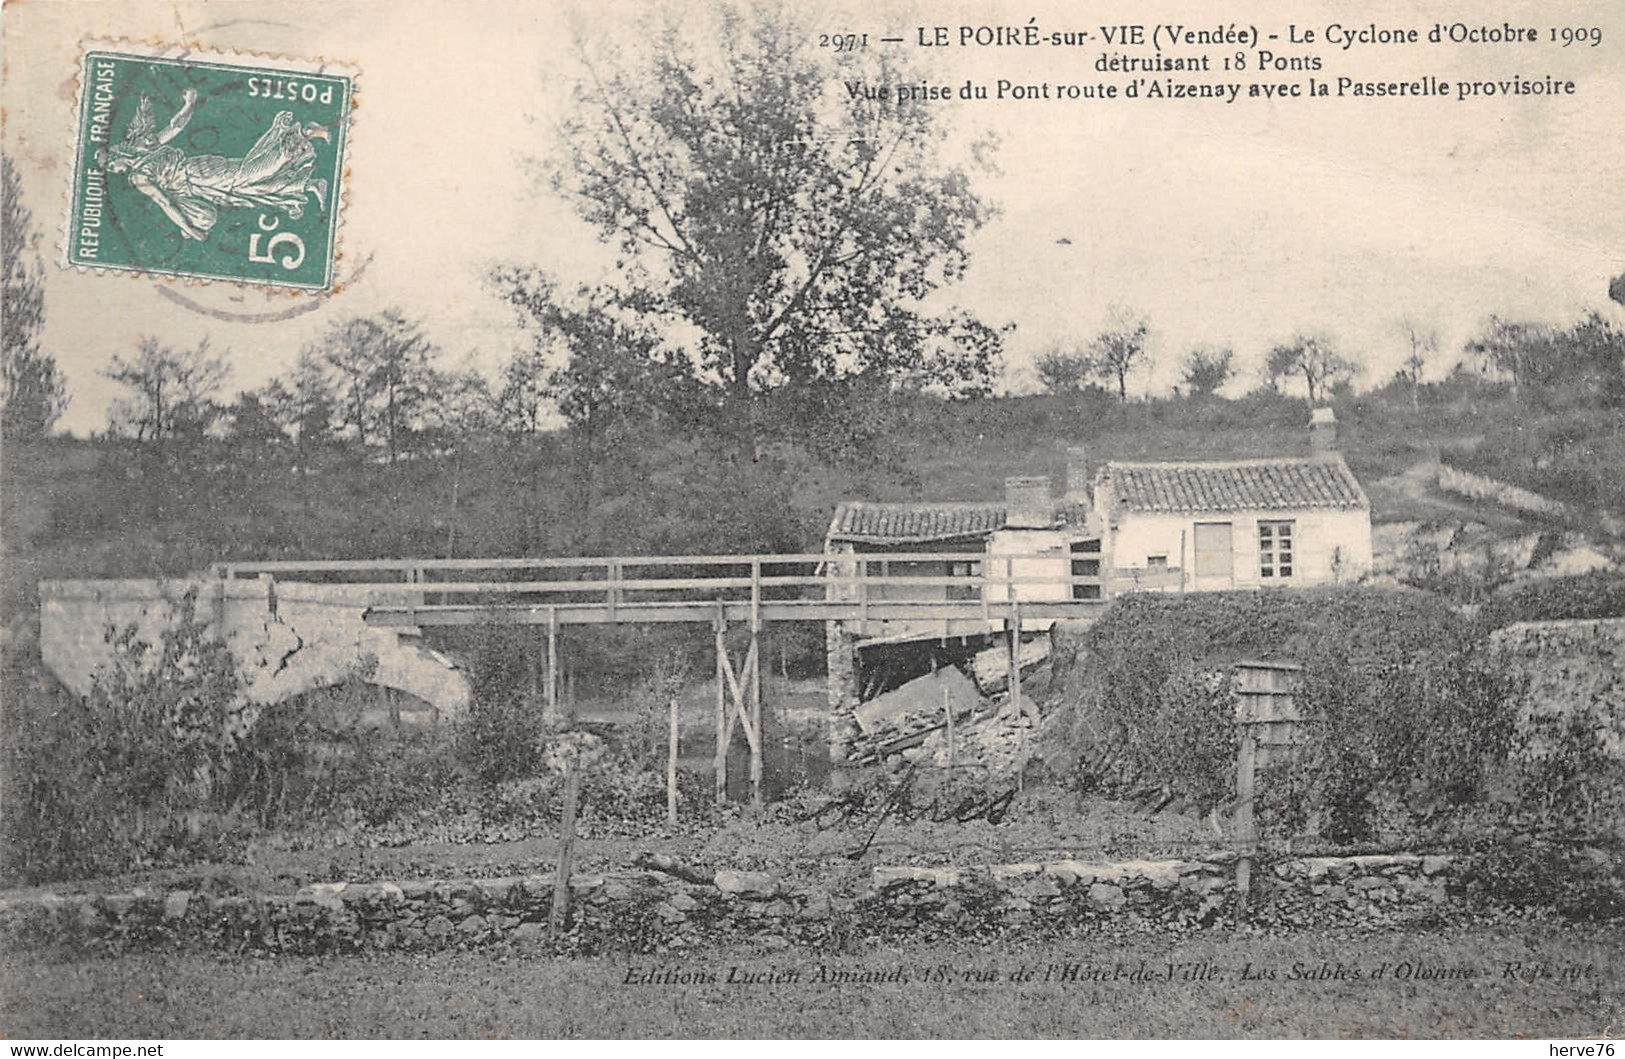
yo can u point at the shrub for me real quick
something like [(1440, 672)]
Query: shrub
[(1402, 703), (136, 772), (165, 762), (500, 738), (1596, 595)]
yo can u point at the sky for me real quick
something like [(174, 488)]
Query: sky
[(1232, 224)]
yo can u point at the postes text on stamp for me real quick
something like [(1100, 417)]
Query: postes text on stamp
[(209, 169)]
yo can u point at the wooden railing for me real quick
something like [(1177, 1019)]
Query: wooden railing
[(614, 589)]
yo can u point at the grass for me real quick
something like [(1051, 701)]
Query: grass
[(980, 992)]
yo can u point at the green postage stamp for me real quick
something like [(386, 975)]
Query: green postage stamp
[(212, 169)]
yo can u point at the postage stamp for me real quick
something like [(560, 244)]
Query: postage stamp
[(216, 170)]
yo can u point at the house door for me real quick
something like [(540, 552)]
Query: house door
[(1215, 562)]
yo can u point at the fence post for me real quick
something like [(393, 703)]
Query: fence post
[(1266, 716), (1018, 706), (671, 762), (1246, 833), (553, 661), (567, 848), (720, 625)]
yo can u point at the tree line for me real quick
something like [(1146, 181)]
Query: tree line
[(1585, 359), (782, 253)]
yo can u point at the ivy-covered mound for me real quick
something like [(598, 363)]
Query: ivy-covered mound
[(1406, 712)]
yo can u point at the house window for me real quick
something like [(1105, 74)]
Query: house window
[(1275, 549), (1156, 562), (1086, 563)]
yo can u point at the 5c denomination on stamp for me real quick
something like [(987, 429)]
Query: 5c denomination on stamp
[(200, 167)]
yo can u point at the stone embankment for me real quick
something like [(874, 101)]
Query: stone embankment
[(653, 912)]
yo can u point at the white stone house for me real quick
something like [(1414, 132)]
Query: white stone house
[(1280, 522)]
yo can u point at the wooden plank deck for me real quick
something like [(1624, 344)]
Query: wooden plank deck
[(751, 589)]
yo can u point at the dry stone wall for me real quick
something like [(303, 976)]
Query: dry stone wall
[(648, 912), (1575, 668), (1478, 487)]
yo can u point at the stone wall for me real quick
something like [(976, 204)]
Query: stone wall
[(288, 637), (1575, 668), (649, 912), (1478, 487)]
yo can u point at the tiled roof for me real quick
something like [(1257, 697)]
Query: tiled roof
[(1243, 485), (860, 520)]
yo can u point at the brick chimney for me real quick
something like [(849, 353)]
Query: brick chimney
[(1028, 503), (1078, 483), (1323, 432)]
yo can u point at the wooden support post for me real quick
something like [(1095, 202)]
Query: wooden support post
[(1015, 660), (948, 711), (863, 596), (754, 663), (1246, 834), (552, 662), (671, 763), (1017, 705), (720, 625), (755, 596), (753, 730), (557, 916)]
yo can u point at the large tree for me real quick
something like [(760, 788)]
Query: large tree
[(385, 369), (591, 360), (303, 405), (1063, 370), (32, 393), (1585, 360), (1206, 369), (797, 224), (174, 393), (1315, 359), (1424, 344), (1120, 347)]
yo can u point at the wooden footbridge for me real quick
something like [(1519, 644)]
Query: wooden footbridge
[(932, 594)]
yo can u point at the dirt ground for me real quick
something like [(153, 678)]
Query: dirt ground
[(1551, 982)]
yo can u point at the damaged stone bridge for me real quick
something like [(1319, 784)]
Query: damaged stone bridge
[(288, 637), (294, 626)]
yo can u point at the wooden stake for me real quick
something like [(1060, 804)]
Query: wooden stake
[(755, 662), (557, 917), (1016, 701), (720, 625), (1246, 835), (552, 662), (948, 710), (671, 764)]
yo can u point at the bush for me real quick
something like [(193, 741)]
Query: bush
[(1596, 595), (138, 771), (500, 739), (1403, 706), (165, 762), (326, 755)]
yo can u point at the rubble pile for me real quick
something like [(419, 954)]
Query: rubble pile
[(910, 724)]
